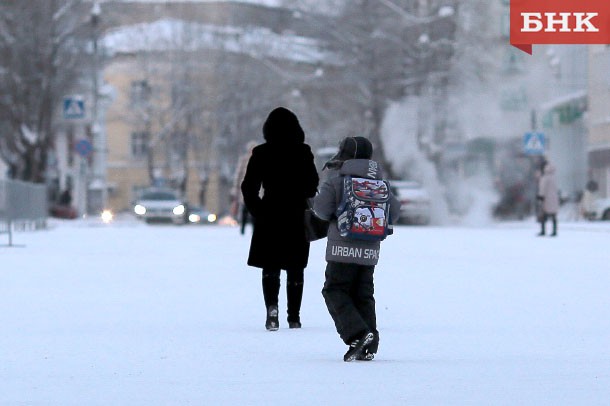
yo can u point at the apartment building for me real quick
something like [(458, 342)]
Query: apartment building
[(598, 141), (187, 80)]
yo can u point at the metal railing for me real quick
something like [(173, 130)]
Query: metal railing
[(23, 206)]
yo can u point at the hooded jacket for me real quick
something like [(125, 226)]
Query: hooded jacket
[(338, 248)]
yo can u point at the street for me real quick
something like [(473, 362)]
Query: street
[(136, 314)]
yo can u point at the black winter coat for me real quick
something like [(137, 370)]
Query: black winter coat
[(288, 176)]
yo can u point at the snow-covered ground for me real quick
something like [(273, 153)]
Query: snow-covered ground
[(130, 314)]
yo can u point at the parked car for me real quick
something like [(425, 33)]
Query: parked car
[(602, 209), (160, 205), (415, 202), (63, 211), (199, 215)]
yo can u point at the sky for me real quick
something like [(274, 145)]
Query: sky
[(136, 314)]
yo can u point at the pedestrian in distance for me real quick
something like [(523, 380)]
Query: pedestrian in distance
[(238, 208), (65, 199), (538, 212), (284, 167), (349, 286), (548, 195)]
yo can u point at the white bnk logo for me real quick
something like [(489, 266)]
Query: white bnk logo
[(532, 22)]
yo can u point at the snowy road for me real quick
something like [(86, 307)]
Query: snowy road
[(130, 314)]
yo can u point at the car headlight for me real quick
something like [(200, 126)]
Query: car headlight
[(194, 218), (139, 209), (179, 210), (107, 216), (211, 217)]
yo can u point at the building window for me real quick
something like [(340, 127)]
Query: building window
[(139, 144), (513, 61), (513, 99), (505, 24), (140, 92), (607, 67)]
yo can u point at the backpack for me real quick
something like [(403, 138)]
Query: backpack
[(363, 213)]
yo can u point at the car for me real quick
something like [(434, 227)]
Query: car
[(199, 215), (63, 211), (415, 202), (160, 205), (602, 209)]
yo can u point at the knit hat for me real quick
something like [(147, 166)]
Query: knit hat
[(351, 148)]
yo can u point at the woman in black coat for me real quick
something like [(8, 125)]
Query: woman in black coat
[(284, 168)]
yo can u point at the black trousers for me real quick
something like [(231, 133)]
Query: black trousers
[(349, 294), (545, 217), (294, 290), (244, 219)]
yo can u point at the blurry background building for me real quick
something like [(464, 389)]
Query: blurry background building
[(170, 93), (598, 141)]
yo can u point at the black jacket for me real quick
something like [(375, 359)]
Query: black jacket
[(284, 168)]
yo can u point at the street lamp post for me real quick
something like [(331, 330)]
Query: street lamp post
[(97, 186)]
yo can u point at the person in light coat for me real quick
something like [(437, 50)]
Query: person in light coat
[(548, 194)]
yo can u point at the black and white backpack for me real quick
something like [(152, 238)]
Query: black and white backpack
[(363, 212)]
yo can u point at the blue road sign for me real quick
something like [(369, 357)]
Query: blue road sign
[(83, 148), (534, 143), (74, 107)]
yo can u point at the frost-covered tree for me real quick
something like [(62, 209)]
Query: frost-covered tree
[(380, 45), (40, 54), (367, 38)]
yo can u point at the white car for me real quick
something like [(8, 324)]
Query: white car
[(415, 202), (160, 205), (602, 209)]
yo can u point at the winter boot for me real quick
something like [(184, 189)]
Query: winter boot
[(542, 226), (294, 324), (272, 323), (294, 294), (356, 347)]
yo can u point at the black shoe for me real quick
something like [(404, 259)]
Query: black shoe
[(366, 355), (357, 347), (540, 234), (272, 323), (553, 235)]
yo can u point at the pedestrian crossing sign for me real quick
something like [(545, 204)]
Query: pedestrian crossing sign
[(534, 143), (74, 107)]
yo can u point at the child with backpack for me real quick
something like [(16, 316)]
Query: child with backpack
[(360, 207)]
